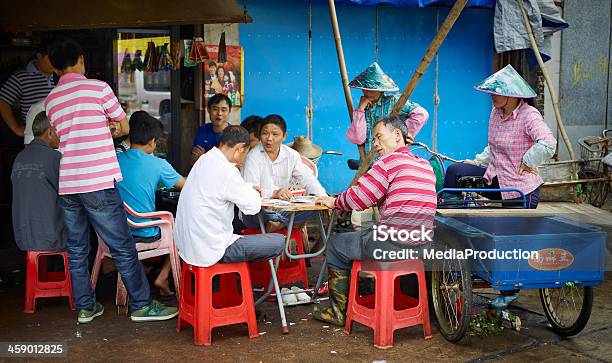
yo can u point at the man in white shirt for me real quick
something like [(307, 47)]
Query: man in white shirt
[(273, 166), (203, 227)]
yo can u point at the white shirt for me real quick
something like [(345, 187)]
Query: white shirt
[(203, 227), (34, 110), (273, 175)]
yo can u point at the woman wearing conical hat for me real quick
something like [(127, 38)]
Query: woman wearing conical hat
[(519, 141), (375, 104)]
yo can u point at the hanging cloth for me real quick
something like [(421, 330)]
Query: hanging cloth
[(150, 60), (222, 55), (126, 64), (155, 60), (509, 30), (165, 61), (147, 58), (137, 62), (175, 54)]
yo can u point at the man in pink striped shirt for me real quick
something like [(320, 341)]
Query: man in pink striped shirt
[(403, 187), (86, 114)]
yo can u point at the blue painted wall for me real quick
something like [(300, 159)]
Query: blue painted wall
[(276, 72)]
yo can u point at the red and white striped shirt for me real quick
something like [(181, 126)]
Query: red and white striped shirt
[(402, 185), (80, 110)]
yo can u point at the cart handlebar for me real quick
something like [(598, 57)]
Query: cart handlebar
[(484, 190)]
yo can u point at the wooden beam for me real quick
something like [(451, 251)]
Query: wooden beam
[(430, 53), (434, 46), (175, 107), (37, 15), (553, 96), (342, 65)]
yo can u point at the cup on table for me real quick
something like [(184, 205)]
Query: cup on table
[(298, 192)]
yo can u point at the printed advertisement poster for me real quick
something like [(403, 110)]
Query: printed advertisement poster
[(224, 77)]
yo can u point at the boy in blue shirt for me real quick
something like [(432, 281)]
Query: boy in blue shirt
[(142, 173), (219, 107)]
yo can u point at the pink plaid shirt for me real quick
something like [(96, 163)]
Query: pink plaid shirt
[(509, 140)]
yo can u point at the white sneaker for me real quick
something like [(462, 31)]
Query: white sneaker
[(300, 294), (289, 298)]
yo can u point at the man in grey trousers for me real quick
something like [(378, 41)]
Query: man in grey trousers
[(203, 228)]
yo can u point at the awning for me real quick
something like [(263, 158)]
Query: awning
[(413, 3), (31, 15)]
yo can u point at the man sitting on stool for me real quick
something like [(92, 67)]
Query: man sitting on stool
[(38, 220), (403, 186), (203, 226)]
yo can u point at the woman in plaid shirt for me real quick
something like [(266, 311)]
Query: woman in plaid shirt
[(519, 141)]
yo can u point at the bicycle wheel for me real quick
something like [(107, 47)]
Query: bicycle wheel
[(567, 308), (586, 187), (451, 293), (599, 194)]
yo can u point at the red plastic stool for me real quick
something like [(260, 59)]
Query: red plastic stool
[(288, 272), (205, 309), (388, 309), (41, 283)]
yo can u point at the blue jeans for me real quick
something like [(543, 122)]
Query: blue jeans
[(104, 210), (456, 171)]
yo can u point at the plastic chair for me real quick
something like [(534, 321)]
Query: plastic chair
[(42, 283), (164, 246), (204, 309), (388, 309)]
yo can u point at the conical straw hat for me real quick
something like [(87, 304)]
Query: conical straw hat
[(305, 147), (506, 82), (374, 79)]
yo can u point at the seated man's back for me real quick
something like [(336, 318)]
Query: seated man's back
[(38, 220), (203, 231)]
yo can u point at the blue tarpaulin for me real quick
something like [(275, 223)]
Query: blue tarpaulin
[(413, 3), (509, 31)]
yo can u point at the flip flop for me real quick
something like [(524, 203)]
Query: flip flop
[(300, 294), (289, 298)]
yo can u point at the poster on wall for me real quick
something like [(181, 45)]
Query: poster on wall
[(224, 77)]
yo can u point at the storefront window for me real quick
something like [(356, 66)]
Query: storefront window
[(144, 76)]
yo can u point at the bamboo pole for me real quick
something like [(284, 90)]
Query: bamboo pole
[(343, 74), (434, 46), (430, 53), (553, 96)]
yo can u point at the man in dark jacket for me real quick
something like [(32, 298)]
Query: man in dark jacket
[(38, 221)]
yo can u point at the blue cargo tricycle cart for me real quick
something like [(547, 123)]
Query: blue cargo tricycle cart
[(479, 245)]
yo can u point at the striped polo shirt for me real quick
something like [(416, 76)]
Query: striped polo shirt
[(26, 87), (402, 185), (80, 109)]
